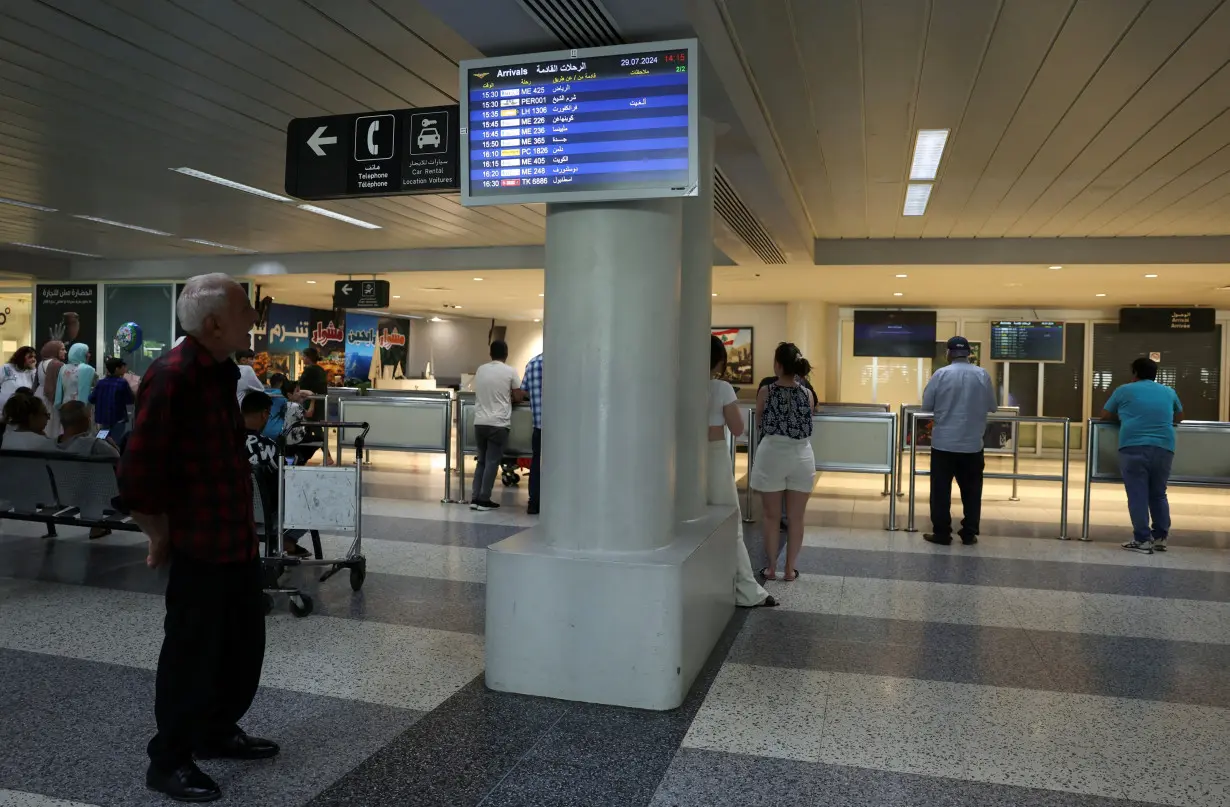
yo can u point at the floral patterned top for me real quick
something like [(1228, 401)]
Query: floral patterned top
[(787, 412)]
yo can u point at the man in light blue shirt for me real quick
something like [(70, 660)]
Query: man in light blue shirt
[(1147, 413), (961, 396)]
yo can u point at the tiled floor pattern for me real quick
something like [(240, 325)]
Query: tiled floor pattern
[(1023, 671)]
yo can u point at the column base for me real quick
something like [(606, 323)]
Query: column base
[(619, 628)]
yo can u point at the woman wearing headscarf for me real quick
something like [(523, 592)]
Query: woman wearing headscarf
[(47, 384), (723, 415), (76, 377)]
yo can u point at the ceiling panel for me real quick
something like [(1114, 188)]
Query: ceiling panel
[(1065, 115), (99, 99)]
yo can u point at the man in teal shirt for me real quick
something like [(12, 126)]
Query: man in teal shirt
[(1147, 413)]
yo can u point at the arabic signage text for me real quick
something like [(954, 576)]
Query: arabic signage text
[(1167, 320)]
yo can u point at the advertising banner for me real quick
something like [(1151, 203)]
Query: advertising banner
[(286, 335), (66, 313), (394, 341), (360, 344), (329, 337)]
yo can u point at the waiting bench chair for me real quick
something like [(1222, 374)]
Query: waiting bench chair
[(60, 488)]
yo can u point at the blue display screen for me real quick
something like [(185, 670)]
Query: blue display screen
[(606, 123)]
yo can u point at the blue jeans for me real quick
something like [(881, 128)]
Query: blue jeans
[(1145, 471)]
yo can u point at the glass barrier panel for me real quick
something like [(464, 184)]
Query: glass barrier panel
[(1202, 453), (399, 425), (853, 443)]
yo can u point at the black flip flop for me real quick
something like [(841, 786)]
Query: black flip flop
[(764, 574), (786, 579)]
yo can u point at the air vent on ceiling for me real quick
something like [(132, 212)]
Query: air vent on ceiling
[(575, 23), (741, 220)]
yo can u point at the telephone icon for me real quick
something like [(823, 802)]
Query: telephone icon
[(374, 137)]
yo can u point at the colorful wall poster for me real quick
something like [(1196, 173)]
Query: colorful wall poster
[(328, 336), (360, 344), (394, 341), (65, 312), (739, 343), (286, 335)]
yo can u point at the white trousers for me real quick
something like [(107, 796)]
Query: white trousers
[(722, 490)]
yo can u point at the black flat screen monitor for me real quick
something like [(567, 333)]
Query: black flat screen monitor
[(894, 334), (1015, 340)]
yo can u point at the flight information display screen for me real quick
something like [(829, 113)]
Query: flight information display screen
[(587, 125), (1027, 341)]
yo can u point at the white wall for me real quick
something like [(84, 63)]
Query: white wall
[(769, 329), (524, 343)]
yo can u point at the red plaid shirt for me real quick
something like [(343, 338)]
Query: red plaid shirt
[(186, 456)]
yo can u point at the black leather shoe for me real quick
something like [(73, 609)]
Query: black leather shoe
[(532, 509), (185, 783), (932, 538), (241, 746), (969, 540)]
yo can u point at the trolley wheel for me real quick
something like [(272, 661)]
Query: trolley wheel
[(357, 575), (300, 605), (267, 602), (510, 478)]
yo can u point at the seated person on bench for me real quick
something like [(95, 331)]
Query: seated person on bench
[(263, 454), (25, 418), (78, 436)]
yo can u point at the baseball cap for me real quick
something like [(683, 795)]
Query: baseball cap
[(958, 346)]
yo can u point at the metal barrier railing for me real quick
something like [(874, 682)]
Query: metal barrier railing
[(1201, 460), (520, 438), (1061, 478), (1013, 436), (869, 452)]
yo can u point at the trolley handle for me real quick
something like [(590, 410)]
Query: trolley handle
[(358, 441)]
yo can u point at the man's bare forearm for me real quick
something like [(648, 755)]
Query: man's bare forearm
[(155, 526)]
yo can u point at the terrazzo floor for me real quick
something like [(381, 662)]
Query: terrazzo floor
[(1023, 671)]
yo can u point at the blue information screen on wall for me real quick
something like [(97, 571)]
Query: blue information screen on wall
[(1027, 341), (586, 125)]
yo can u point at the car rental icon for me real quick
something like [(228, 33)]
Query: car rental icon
[(428, 135)]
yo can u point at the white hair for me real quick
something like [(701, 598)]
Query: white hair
[(203, 296)]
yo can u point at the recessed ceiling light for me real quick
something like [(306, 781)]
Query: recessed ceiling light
[(538, 320), (457, 307), (1056, 267), (1099, 295), (1150, 275), (32, 206), (98, 220), (715, 294), (916, 198), (897, 294), (239, 186), (53, 249), (478, 278), (900, 275), (205, 243), (320, 211), (311, 282), (928, 151), (435, 319), (396, 296), (542, 295)]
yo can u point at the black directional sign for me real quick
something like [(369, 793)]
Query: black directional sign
[(361, 294), (405, 151)]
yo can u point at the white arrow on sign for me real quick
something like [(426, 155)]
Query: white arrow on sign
[(316, 141), (347, 288)]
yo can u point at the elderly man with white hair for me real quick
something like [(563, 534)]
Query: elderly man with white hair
[(186, 480)]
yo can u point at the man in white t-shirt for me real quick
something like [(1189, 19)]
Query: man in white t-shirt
[(496, 389)]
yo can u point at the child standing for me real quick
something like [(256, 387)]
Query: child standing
[(263, 455), (112, 395)]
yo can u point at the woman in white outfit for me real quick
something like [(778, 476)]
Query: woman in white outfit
[(47, 384), (724, 414), (17, 372), (785, 467)]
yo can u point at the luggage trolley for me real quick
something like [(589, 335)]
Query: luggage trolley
[(318, 498)]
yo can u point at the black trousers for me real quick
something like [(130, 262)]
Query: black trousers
[(212, 652), (967, 470), (536, 468)]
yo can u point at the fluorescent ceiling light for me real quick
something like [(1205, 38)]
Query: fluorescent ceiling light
[(1056, 267), (916, 198), (928, 150), (1099, 295), (478, 278), (205, 243), (98, 220), (311, 282), (16, 203), (239, 186), (53, 249), (1150, 275), (901, 275), (897, 294), (320, 211)]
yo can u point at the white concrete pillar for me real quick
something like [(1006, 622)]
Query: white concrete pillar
[(610, 374), (812, 326), (695, 306)]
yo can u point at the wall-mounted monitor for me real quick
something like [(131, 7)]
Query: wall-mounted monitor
[(895, 334), (586, 125), (1027, 341), (1167, 320)]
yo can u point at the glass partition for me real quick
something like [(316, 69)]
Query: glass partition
[(147, 305)]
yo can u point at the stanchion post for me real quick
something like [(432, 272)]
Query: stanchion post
[(448, 460), (1089, 427), (1016, 457), (461, 448), (751, 458), (892, 476), (909, 523), (1063, 494)]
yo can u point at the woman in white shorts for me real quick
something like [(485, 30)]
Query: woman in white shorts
[(785, 468), (724, 414)]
